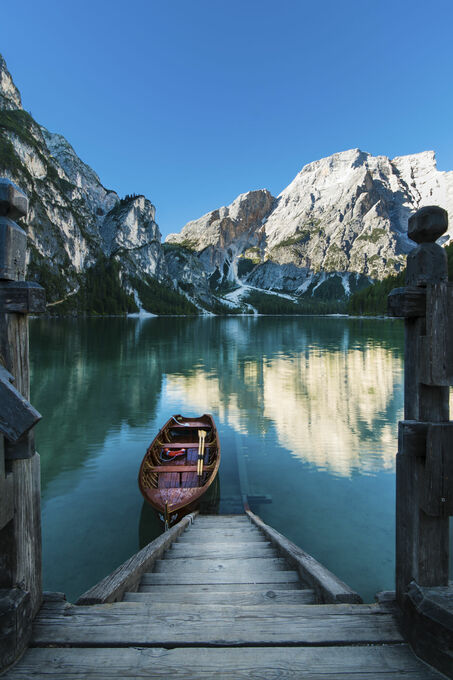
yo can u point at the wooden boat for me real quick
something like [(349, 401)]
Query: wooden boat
[(179, 466)]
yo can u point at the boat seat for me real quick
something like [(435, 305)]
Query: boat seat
[(188, 426), (179, 468), (182, 445)]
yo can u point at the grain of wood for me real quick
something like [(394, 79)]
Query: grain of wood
[(216, 552), (247, 597), (289, 663), (128, 624), (167, 589), (249, 566), (211, 579)]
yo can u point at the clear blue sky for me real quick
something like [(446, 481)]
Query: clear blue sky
[(192, 102)]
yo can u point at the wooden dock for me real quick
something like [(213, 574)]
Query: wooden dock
[(218, 597)]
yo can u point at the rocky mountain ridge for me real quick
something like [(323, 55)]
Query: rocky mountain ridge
[(339, 224), (343, 218)]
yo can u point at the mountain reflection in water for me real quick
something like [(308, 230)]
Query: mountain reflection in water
[(311, 403)]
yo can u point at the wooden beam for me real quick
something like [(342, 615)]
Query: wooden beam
[(407, 302), (17, 415), (329, 587), (127, 576), (23, 297), (381, 662)]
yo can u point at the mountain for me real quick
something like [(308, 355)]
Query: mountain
[(79, 231), (340, 223)]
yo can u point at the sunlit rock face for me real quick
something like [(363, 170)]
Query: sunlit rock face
[(129, 230), (73, 219), (222, 236), (349, 212), (9, 94), (343, 215)]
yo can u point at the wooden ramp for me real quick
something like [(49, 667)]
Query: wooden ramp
[(221, 602)]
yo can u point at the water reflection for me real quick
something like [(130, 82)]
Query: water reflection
[(333, 406), (323, 396)]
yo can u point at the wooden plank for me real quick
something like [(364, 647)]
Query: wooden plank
[(412, 438), (328, 586), (159, 469), (226, 545), (436, 362), (407, 302), (252, 565), (210, 579), (220, 538), (6, 491), (250, 597), (127, 576), (436, 493), (232, 534), (131, 623), (17, 415), (292, 663), (23, 297), (215, 552), (178, 589), (15, 631)]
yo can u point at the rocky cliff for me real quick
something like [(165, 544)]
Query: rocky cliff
[(340, 223), (74, 222), (342, 218)]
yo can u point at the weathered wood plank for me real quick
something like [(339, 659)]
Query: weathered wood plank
[(292, 663), (329, 587), (216, 578), (227, 536), (23, 297), (131, 623), (166, 589), (17, 415), (127, 576), (6, 491), (246, 597), (234, 531), (436, 361), (15, 631), (407, 302), (219, 552), (436, 493), (251, 565)]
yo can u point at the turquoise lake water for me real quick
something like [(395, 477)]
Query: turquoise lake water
[(309, 404)]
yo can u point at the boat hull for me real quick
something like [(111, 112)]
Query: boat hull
[(168, 478)]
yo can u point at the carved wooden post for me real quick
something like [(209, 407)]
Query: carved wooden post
[(20, 521), (424, 480)]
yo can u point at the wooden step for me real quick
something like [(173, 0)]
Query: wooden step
[(273, 577), (246, 597), (250, 566), (386, 662), (215, 552), (244, 532), (222, 521), (227, 545), (138, 624), (168, 589), (221, 536)]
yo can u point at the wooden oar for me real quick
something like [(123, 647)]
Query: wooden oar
[(201, 440)]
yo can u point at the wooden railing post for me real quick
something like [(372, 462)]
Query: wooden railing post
[(20, 520), (424, 485)]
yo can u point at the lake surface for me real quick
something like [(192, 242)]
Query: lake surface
[(309, 404)]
